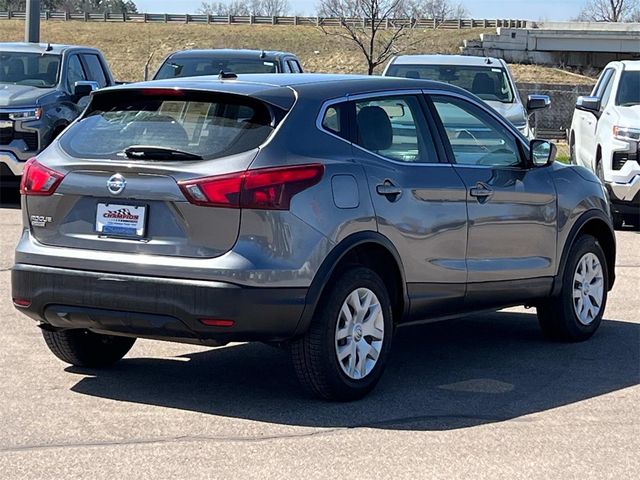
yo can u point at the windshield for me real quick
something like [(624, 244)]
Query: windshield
[(488, 83), (629, 89), (32, 69), (194, 124), (198, 66)]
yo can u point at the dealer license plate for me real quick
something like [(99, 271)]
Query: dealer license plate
[(121, 220)]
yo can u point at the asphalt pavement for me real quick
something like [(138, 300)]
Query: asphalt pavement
[(476, 397)]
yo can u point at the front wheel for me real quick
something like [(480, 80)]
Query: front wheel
[(344, 352), (576, 312), (84, 348)]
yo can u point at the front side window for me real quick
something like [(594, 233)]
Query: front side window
[(198, 66), (602, 81), (475, 137), (629, 89), (201, 125), (393, 127), (487, 82), (31, 69)]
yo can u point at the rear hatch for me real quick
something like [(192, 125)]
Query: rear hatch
[(111, 182)]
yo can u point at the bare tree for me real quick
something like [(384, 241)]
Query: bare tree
[(367, 31), (439, 10), (610, 11), (275, 8)]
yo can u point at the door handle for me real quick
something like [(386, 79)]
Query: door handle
[(389, 190), (480, 191)]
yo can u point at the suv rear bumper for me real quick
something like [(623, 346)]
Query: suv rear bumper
[(153, 307)]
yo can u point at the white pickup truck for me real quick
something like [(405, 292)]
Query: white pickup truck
[(605, 137)]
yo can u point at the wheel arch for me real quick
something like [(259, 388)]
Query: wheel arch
[(595, 223), (370, 249)]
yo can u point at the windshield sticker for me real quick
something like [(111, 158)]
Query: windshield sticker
[(498, 70), (268, 64)]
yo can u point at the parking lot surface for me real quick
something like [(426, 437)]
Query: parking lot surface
[(476, 397)]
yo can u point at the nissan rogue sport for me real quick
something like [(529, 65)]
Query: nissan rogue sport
[(317, 211)]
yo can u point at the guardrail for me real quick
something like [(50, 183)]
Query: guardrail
[(263, 20)]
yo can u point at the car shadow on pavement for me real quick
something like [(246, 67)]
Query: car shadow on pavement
[(441, 376), (9, 193)]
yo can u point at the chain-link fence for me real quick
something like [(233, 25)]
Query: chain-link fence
[(553, 122)]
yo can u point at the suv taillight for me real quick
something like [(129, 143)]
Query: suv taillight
[(38, 179), (264, 188)]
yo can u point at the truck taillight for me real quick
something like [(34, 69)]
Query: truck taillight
[(38, 179), (264, 188)]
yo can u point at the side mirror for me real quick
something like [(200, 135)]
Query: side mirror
[(537, 102), (543, 153), (589, 104), (83, 88)]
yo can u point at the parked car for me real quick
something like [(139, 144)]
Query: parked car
[(43, 88), (195, 63), (488, 78), (605, 137), (319, 211)]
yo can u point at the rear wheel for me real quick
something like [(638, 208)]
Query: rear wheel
[(576, 313), (83, 348), (344, 352)]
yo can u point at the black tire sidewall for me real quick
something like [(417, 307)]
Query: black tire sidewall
[(350, 280), (585, 244)]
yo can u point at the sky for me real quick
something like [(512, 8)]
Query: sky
[(516, 9)]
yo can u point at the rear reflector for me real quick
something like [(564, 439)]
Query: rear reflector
[(263, 189), (38, 179), (21, 302), (216, 322)]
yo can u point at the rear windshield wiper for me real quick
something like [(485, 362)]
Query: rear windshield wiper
[(143, 152)]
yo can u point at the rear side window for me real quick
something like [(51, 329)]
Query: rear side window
[(294, 66), (207, 125), (96, 72), (75, 72), (394, 127), (335, 120)]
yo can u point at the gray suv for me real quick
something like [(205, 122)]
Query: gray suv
[(318, 211), (43, 88)]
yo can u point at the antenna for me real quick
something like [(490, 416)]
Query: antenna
[(263, 54)]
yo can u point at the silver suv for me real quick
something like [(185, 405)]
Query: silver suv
[(315, 211), (486, 77)]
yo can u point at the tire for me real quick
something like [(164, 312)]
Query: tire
[(618, 220), (600, 170), (83, 348), (558, 315), (315, 355), (572, 151), (632, 220)]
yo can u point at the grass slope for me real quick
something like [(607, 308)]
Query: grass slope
[(129, 46)]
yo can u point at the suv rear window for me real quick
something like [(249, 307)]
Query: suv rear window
[(208, 125), (195, 66)]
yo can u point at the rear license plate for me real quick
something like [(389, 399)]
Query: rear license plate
[(6, 124), (121, 220)]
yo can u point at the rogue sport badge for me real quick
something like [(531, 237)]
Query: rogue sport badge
[(116, 184)]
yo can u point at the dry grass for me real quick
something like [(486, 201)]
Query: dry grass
[(128, 46)]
